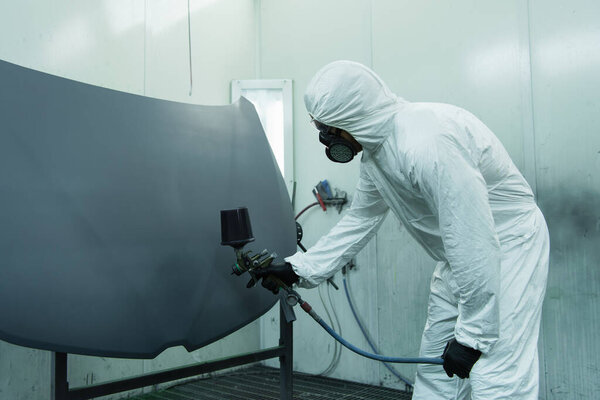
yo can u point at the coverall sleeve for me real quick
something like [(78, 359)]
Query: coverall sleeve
[(345, 239), (456, 192)]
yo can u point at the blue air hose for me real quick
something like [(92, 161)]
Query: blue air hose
[(398, 360), (368, 338)]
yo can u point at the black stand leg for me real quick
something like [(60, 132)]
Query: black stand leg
[(286, 319), (60, 389)]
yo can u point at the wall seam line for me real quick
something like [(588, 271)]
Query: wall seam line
[(544, 390), (258, 39), (371, 33), (145, 39), (531, 99)]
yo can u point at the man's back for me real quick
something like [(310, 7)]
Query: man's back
[(444, 127)]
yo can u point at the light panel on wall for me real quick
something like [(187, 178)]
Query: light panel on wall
[(272, 99)]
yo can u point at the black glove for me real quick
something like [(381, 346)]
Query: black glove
[(459, 359), (284, 272)]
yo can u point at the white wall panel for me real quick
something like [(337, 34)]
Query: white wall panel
[(468, 53), (223, 48), (298, 38), (404, 271), (565, 44), (24, 373), (99, 42)]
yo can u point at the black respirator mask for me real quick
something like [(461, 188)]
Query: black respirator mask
[(337, 148)]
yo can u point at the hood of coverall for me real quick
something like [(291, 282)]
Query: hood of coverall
[(350, 96)]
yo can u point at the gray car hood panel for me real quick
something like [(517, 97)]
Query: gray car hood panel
[(109, 217)]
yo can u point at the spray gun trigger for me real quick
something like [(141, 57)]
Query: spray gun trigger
[(253, 279)]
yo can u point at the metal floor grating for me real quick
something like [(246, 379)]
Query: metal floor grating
[(262, 383)]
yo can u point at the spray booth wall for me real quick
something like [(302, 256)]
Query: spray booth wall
[(137, 46), (529, 70)]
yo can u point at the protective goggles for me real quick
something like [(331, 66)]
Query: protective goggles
[(337, 148)]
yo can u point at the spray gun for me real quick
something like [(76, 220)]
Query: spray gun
[(237, 232)]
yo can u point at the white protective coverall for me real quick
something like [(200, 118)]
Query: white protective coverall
[(453, 186)]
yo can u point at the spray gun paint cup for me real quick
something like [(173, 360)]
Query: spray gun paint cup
[(236, 230)]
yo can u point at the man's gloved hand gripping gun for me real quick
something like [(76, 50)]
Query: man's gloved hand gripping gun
[(236, 232), (275, 274)]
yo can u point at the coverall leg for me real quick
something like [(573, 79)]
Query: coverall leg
[(510, 370), (432, 383)]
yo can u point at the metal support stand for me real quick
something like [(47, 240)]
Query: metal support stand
[(59, 374), (286, 360), (61, 391)]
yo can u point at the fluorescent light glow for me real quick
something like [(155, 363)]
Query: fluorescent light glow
[(269, 106)]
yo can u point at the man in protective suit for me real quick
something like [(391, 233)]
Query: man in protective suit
[(451, 183)]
